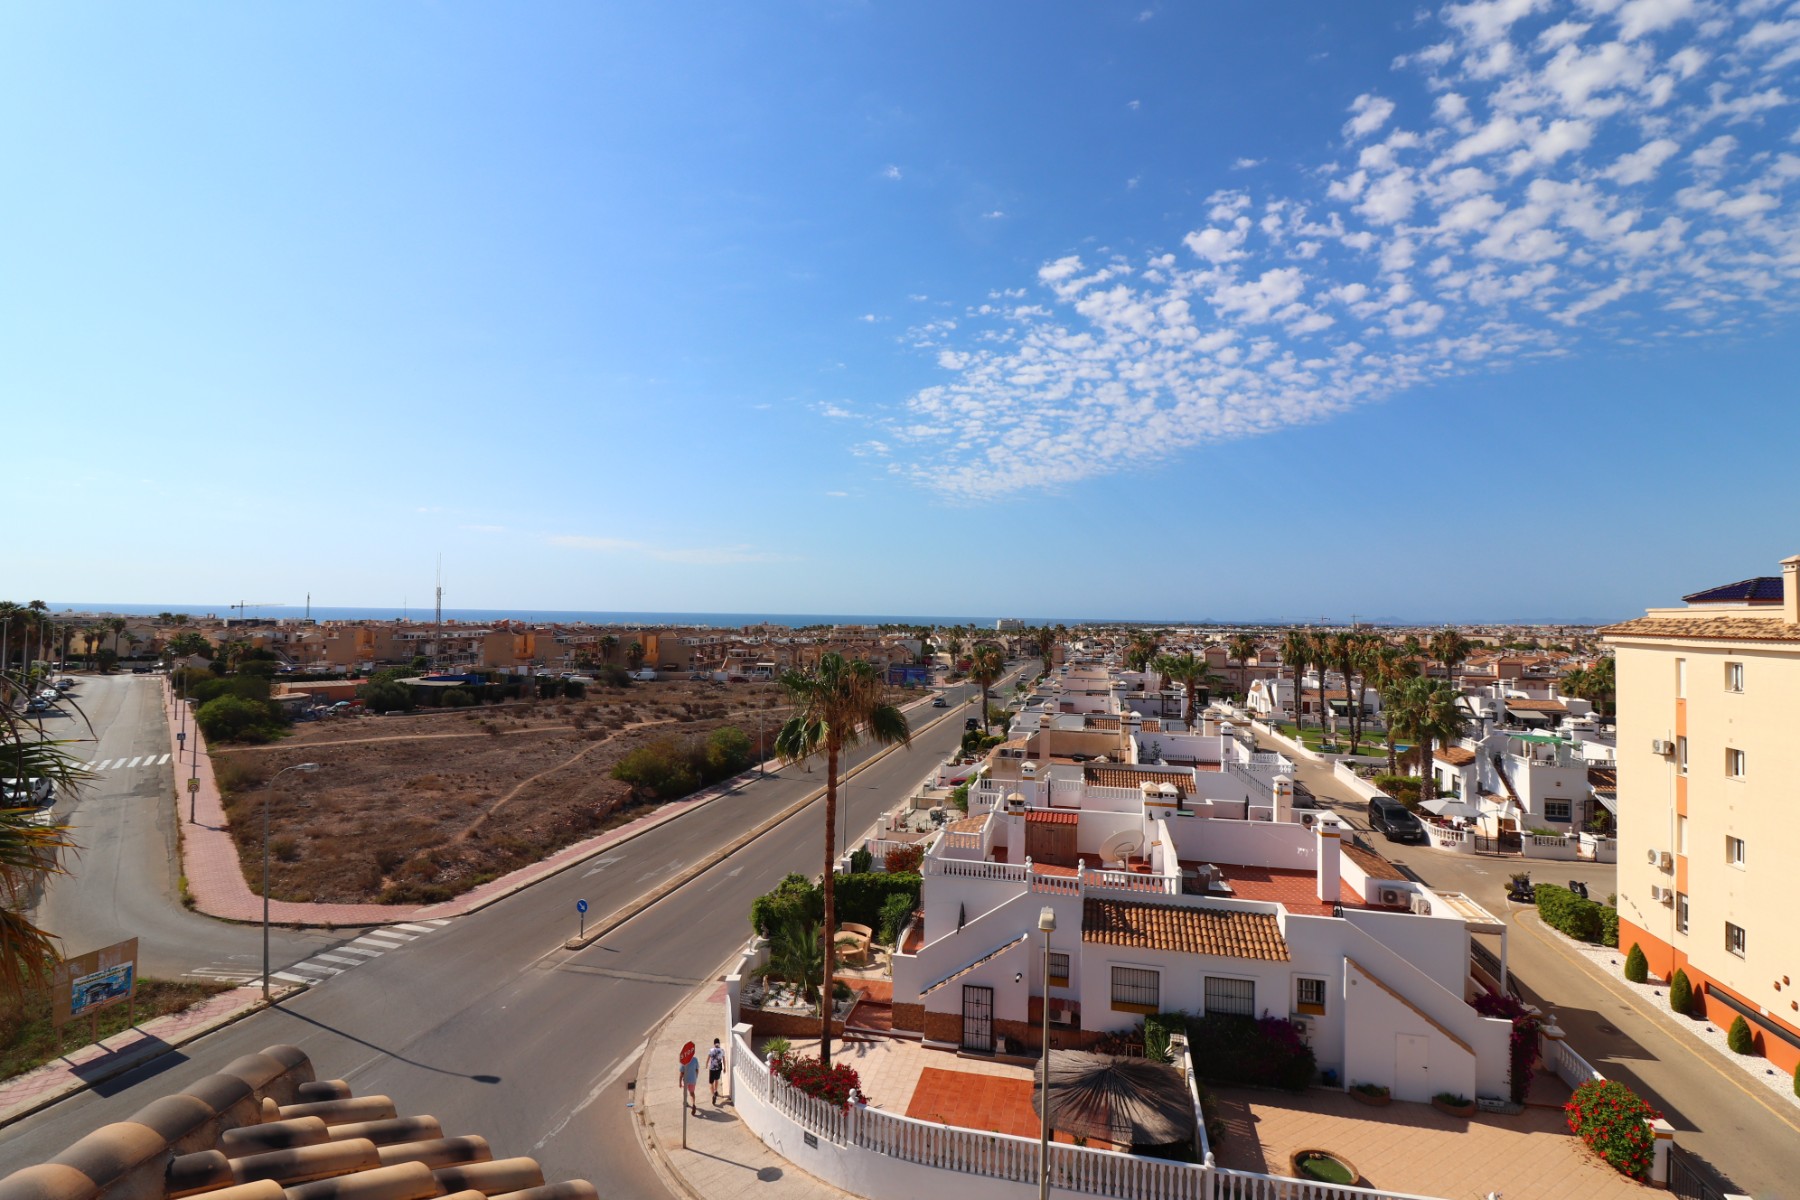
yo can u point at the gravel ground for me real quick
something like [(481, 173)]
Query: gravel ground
[(1654, 997)]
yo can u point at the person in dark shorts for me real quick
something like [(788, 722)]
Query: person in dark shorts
[(715, 1067)]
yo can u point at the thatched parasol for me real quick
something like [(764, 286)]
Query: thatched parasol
[(1126, 1101)]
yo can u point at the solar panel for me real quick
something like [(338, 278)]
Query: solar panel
[(1765, 589)]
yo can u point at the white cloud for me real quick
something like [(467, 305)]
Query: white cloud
[(1526, 198), (890, 172), (1244, 164)]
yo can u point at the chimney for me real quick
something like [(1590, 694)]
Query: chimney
[(1790, 589), (1284, 799), (1330, 891)]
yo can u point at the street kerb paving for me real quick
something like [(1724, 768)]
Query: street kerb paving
[(97, 1062), (722, 1158), (215, 877)]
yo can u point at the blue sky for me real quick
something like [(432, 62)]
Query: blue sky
[(1235, 310)]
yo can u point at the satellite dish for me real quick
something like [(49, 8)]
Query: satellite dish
[(1121, 845)]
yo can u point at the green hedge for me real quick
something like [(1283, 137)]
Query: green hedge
[(1265, 1052), (862, 899), (1588, 920)]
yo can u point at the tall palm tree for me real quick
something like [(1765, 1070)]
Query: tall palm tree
[(1296, 652), (1450, 648), (634, 655), (953, 645), (117, 625), (1432, 714), (985, 668), (1242, 647), (1192, 673), (1346, 655), (1140, 650), (607, 644), (1321, 658), (836, 705), (796, 955), (1391, 669)]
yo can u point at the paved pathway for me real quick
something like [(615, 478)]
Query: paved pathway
[(99, 1061)]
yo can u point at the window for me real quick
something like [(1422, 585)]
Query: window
[(1681, 912), (1734, 763), (1734, 939), (1681, 679), (1556, 810), (1734, 851), (1734, 676), (1309, 995), (1234, 996), (1681, 835), (1681, 756), (1059, 968), (1136, 990)]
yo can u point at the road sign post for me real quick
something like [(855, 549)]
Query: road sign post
[(581, 908), (193, 797)]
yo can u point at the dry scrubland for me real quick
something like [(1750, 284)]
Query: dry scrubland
[(417, 809)]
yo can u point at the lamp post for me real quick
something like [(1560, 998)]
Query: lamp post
[(265, 857), (1046, 926)]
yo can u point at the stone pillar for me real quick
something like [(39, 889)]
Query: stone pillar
[(1325, 840), (1284, 799), (1659, 1162), (741, 1030)]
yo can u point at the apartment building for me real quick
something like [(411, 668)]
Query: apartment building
[(1709, 697)]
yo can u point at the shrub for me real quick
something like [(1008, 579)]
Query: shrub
[(894, 911), (728, 751), (385, 696), (1158, 1027), (1797, 1081), (1404, 788), (1637, 967), (664, 768), (1522, 1046), (1615, 1123), (1681, 993), (904, 860), (1738, 1037), (1588, 920), (794, 898), (1609, 926), (235, 719), (1377, 1090), (1265, 1052), (861, 898), (832, 1084), (861, 861), (777, 1048)]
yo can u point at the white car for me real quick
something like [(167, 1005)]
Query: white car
[(33, 793)]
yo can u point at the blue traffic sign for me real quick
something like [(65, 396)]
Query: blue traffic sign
[(581, 906)]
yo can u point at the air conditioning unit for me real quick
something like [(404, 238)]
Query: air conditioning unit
[(1668, 896), (1665, 860), (1656, 892), (1306, 1024), (1062, 1015), (1658, 746), (1308, 820), (1650, 857), (1392, 897), (1421, 905)]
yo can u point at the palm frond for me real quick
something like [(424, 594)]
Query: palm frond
[(27, 953)]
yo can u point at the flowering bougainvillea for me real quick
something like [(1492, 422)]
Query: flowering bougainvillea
[(1615, 1122), (1523, 1046), (832, 1084)]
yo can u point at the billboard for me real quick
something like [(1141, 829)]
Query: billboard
[(909, 675), (96, 980)]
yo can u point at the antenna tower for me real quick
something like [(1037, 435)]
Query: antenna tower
[(437, 630)]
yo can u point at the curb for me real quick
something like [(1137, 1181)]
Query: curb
[(631, 909), (652, 1147), (160, 1048)]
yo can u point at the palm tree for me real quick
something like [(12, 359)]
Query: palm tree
[(607, 644), (1192, 673), (1242, 647), (28, 851), (1391, 669), (1431, 713), (986, 668), (796, 955), (1596, 683), (1296, 652), (117, 625), (1139, 651), (1346, 654), (1450, 648), (953, 646), (837, 704), (1321, 658), (634, 655)]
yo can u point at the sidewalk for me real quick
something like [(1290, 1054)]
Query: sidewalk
[(95, 1063), (722, 1158), (215, 876)]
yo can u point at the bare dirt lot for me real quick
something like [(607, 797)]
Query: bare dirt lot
[(419, 808)]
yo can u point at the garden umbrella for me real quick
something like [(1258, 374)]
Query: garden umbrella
[(1126, 1101), (1450, 806)]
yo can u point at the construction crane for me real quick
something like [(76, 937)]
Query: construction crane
[(241, 605)]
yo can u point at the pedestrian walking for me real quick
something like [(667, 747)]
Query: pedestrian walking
[(715, 1067), (690, 1078)]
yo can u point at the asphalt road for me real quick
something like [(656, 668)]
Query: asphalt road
[(1717, 1114), (494, 1028), (123, 881)]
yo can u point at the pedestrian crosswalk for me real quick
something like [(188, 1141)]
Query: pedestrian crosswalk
[(128, 762), (325, 964)]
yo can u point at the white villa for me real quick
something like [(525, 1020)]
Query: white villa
[(1182, 876)]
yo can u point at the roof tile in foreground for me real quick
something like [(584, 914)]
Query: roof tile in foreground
[(1183, 930), (265, 1129), (1698, 628)]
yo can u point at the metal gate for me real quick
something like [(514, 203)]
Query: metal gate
[(1691, 1179), (1509, 842), (978, 1019)]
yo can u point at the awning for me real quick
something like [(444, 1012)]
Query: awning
[(1527, 715), (1609, 801)]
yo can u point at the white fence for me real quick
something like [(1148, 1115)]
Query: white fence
[(1559, 847), (1569, 1066), (890, 1157)]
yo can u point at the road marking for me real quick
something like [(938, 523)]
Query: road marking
[(310, 965), (134, 762), (164, 759), (287, 978), (604, 863), (100, 766), (351, 962), (440, 922), (388, 931), (369, 941), (611, 1077), (414, 928), (354, 949)]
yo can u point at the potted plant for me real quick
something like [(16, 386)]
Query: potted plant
[(1453, 1104), (1373, 1094)]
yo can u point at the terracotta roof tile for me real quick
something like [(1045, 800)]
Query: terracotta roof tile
[(1183, 930), (1543, 706), (1727, 629), (1052, 816), (1456, 756), (1375, 866), (1131, 777)]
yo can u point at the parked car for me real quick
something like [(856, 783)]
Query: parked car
[(939, 702), (971, 723), (32, 793), (1394, 821)]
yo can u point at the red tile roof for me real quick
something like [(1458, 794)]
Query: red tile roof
[(1131, 777), (1456, 756), (1184, 930), (1052, 816)]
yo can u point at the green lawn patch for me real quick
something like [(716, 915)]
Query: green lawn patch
[(27, 1039), (1323, 1168), (1373, 742)]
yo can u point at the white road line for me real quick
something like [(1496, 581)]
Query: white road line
[(440, 923), (368, 941), (414, 928), (360, 950), (162, 760), (310, 965), (285, 977), (134, 762), (349, 962), (101, 765), (388, 931)]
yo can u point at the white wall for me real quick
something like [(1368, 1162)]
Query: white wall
[(1248, 843), (1379, 1019)]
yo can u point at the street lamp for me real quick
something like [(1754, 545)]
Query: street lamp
[(265, 856), (1046, 926)]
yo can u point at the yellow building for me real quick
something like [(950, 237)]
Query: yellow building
[(1709, 761)]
